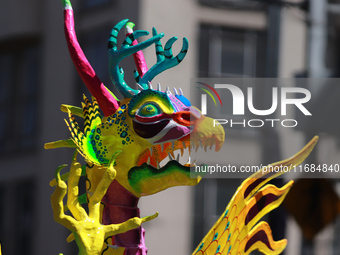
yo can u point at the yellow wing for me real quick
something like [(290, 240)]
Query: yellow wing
[(236, 231)]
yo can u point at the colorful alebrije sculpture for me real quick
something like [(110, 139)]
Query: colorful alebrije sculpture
[(123, 150)]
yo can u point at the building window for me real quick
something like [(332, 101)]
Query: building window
[(237, 4), (19, 83), (226, 52), (232, 53), (94, 3), (17, 218)]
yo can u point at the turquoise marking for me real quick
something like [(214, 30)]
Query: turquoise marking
[(164, 62), (218, 249), (229, 249), (201, 246), (229, 237), (215, 236), (227, 226), (225, 215), (94, 152)]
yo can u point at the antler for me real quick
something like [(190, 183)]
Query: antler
[(165, 59), (115, 55)]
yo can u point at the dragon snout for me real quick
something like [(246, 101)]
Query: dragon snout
[(186, 118)]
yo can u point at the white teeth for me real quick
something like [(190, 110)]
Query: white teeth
[(177, 158), (159, 87), (181, 155), (180, 92), (175, 91), (170, 156)]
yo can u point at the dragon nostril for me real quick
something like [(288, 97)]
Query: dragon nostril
[(186, 116), (183, 118)]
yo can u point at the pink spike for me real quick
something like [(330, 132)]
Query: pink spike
[(106, 101), (140, 62)]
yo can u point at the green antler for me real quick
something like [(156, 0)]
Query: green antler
[(165, 59), (115, 55)]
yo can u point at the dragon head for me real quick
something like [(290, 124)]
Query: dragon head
[(148, 126)]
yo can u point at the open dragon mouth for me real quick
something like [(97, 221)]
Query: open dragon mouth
[(159, 155), (167, 165)]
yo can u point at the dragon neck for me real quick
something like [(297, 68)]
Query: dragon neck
[(121, 205)]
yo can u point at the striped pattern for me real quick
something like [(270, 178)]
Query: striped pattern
[(159, 47), (77, 135), (165, 58), (92, 115), (84, 141), (128, 40), (112, 43)]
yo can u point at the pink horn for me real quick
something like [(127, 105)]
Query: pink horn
[(106, 101), (140, 62)]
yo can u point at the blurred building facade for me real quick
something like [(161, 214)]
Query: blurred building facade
[(227, 39)]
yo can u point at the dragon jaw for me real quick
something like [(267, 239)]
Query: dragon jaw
[(149, 176)]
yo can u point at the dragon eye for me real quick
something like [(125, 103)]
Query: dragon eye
[(149, 110)]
